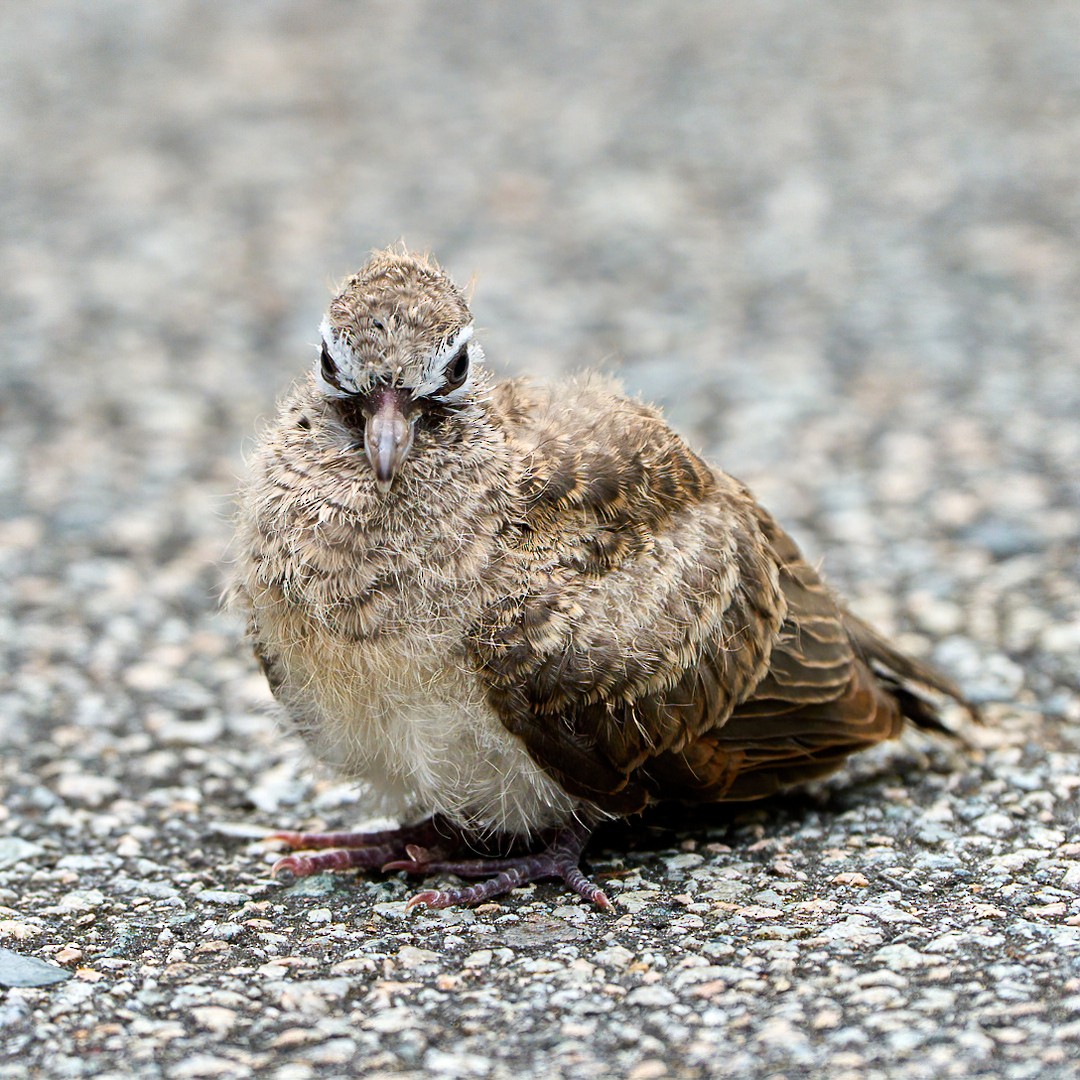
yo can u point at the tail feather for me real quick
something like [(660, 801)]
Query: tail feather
[(898, 670)]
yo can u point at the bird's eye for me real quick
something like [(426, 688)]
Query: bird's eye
[(326, 365), (457, 371)]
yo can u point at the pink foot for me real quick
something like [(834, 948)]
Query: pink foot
[(357, 850), (559, 859)]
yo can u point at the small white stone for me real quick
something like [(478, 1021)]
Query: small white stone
[(995, 824), (92, 791), (784, 1036), (128, 847), (214, 1017), (18, 931), (13, 849), (175, 731), (338, 1051), (1062, 638), (81, 900), (394, 909), (409, 956), (200, 1065), (684, 861), (855, 930), (571, 913), (442, 1063), (614, 956), (636, 899), (901, 957), (398, 1018), (225, 897), (656, 997)]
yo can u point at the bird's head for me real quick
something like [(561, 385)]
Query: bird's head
[(397, 345)]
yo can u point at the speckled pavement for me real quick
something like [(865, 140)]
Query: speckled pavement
[(838, 242)]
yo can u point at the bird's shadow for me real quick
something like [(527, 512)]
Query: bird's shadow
[(734, 824), (740, 825)]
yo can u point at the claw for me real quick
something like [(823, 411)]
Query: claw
[(419, 859), (600, 899), (428, 898), (407, 865), (288, 869), (558, 859)]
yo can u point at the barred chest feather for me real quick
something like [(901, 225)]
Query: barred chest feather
[(359, 611)]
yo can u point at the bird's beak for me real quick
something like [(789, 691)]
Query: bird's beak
[(388, 435)]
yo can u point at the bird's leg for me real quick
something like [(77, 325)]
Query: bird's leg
[(559, 859), (359, 849)]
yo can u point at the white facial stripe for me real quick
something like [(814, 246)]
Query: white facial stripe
[(353, 380), (340, 357), (441, 358)]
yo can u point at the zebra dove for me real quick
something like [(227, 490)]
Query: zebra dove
[(513, 611)]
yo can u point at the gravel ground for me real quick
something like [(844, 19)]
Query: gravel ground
[(839, 242)]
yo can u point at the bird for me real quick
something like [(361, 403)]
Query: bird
[(513, 610)]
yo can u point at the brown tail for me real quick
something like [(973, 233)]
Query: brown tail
[(898, 670)]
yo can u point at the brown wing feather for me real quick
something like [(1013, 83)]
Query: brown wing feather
[(670, 642), (816, 704)]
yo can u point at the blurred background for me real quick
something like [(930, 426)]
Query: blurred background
[(839, 243)]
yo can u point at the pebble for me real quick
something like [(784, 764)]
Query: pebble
[(1062, 638), (886, 912), (92, 791), (902, 957), (995, 824), (411, 957), (18, 931), (19, 970), (855, 931), (215, 1018), (657, 997), (277, 789), (391, 910), (782, 1038), (81, 900), (440, 1063), (14, 850), (390, 1021), (333, 1051), (684, 861), (222, 897), (757, 911), (205, 730), (207, 1065), (615, 956)]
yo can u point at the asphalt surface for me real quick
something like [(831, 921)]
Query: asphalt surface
[(839, 243)]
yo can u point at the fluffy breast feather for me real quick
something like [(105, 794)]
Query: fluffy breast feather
[(409, 720), (358, 609)]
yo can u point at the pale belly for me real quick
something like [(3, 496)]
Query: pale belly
[(410, 722)]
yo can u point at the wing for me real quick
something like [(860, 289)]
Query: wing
[(669, 641), (648, 603), (833, 687)]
